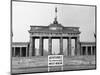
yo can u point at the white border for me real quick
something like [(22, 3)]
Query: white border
[(5, 37)]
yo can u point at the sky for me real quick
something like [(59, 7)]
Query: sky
[(39, 14)]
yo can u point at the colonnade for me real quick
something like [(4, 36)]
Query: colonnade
[(88, 50), (19, 51), (32, 45)]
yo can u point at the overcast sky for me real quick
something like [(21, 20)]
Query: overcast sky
[(38, 14)]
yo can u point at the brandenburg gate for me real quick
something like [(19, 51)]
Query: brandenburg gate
[(53, 31)]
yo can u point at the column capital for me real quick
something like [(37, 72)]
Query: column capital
[(69, 37), (40, 36), (50, 37)]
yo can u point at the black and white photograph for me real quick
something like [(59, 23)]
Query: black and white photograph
[(52, 37)]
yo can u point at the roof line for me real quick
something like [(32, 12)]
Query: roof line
[(20, 42), (87, 42), (39, 26)]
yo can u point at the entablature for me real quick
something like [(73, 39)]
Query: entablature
[(54, 34)]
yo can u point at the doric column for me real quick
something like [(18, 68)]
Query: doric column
[(20, 51), (94, 50), (69, 46), (81, 51), (26, 51), (50, 46), (86, 51), (77, 46), (32, 47), (91, 50), (41, 46), (28, 48), (61, 46), (14, 51)]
